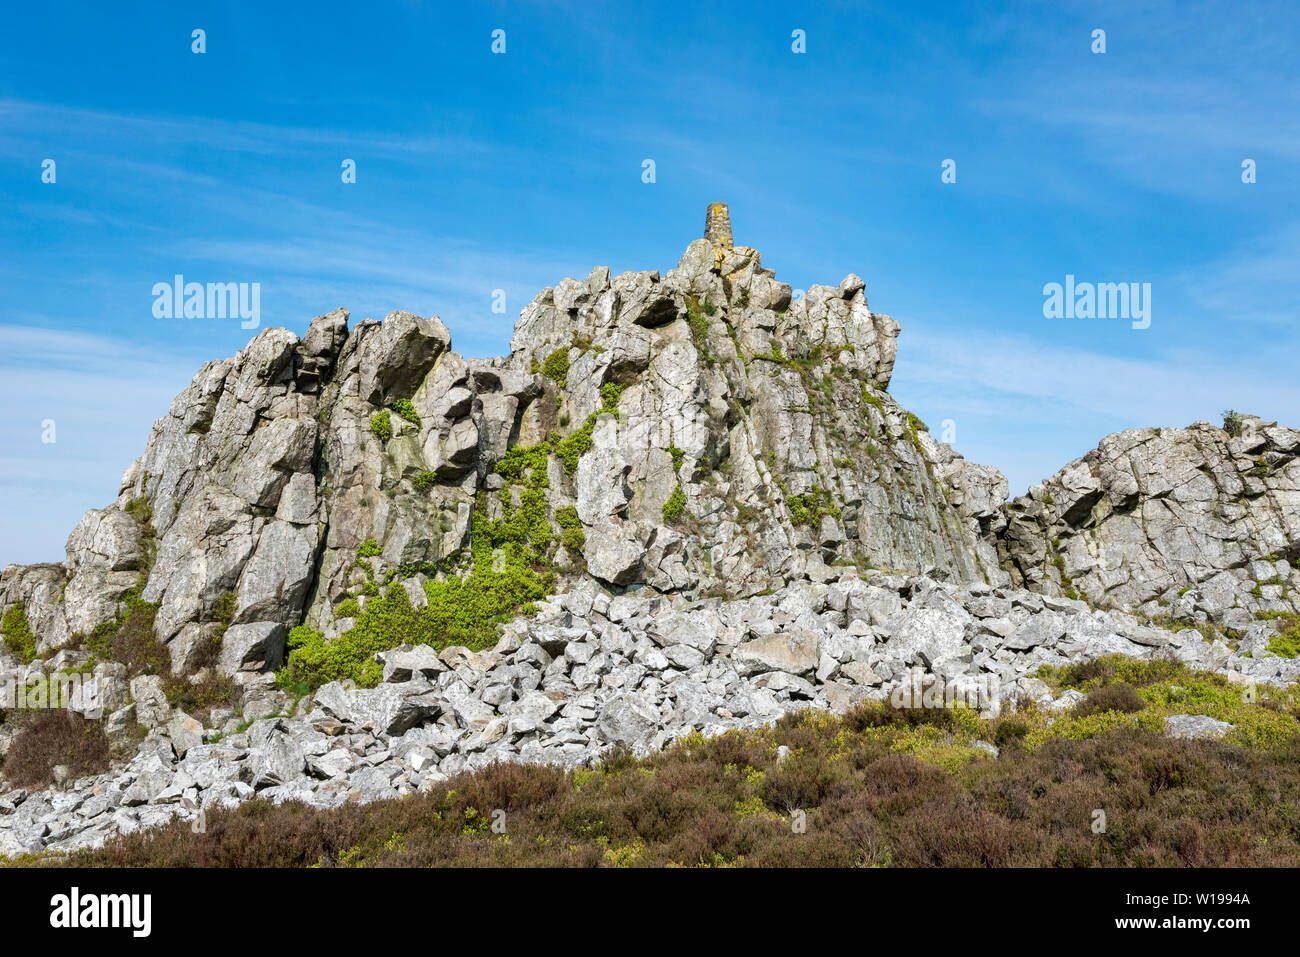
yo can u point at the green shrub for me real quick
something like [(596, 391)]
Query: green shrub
[(1286, 644), (508, 571), (572, 538), (675, 505), (520, 459), (1113, 697), (369, 549), (17, 633), (678, 457), (556, 366), (578, 443), (406, 410), (1232, 423), (808, 509), (424, 481), (382, 426)]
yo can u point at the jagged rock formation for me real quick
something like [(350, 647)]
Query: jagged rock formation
[(1194, 523), (733, 517), (766, 418)]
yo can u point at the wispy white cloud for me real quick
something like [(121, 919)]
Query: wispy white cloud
[(1028, 407), (102, 395), (26, 117), (1260, 283)]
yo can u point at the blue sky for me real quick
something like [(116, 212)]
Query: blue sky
[(478, 172)]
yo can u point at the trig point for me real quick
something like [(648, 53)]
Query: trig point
[(717, 225)]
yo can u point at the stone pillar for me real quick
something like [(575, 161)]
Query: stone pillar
[(717, 225)]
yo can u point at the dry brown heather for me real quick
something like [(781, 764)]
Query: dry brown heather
[(50, 738), (728, 800)]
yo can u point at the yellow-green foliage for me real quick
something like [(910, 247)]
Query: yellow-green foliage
[(17, 633), (1286, 644), (880, 786), (809, 508), (869, 397), (578, 443), (508, 572), (572, 537), (625, 856), (382, 426), (1263, 716), (678, 456), (406, 410), (556, 366), (675, 505)]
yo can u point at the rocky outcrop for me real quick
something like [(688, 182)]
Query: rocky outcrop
[(1191, 523), (593, 670), (711, 432), (732, 516)]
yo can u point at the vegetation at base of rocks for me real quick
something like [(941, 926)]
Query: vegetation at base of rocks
[(507, 569), (1286, 643), (424, 481), (1232, 422), (675, 505), (382, 426), (878, 787), (131, 640), (16, 633), (1113, 697), (46, 739), (810, 507), (556, 366), (49, 738), (1263, 717), (406, 410)]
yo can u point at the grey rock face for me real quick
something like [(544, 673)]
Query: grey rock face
[(767, 417), (1205, 523), (1195, 726)]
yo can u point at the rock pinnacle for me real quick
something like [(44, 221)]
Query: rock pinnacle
[(717, 225)]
